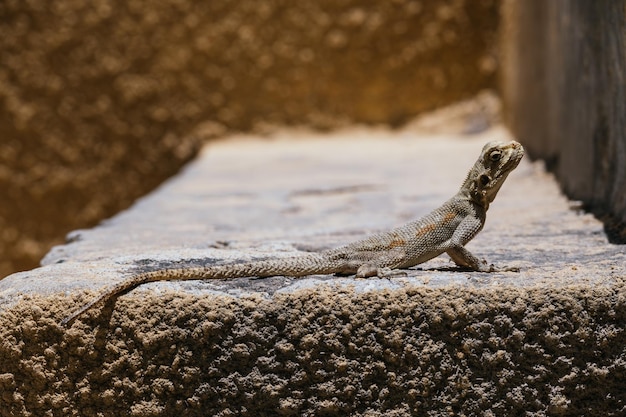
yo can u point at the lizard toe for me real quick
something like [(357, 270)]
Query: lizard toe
[(389, 273), (367, 271)]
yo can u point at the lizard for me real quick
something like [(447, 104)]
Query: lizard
[(446, 229)]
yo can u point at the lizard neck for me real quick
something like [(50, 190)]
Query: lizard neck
[(469, 190)]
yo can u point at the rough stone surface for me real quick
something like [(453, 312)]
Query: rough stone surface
[(101, 101), (566, 96), (547, 341)]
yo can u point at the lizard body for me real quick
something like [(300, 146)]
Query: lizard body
[(446, 229)]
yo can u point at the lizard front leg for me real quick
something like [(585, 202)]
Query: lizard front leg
[(466, 230), (465, 258)]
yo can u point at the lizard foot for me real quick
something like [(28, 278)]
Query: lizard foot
[(367, 271), (483, 266), (371, 270), (504, 269), (389, 273)]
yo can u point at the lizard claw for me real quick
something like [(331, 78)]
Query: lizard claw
[(370, 270), (388, 273), (483, 266), (367, 271), (493, 268)]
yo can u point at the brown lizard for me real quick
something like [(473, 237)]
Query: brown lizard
[(446, 229)]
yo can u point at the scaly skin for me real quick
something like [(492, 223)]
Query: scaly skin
[(446, 229)]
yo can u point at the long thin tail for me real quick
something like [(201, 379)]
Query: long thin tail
[(296, 266)]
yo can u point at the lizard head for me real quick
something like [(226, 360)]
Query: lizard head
[(496, 161)]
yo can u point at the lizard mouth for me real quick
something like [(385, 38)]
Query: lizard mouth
[(513, 154), (517, 153)]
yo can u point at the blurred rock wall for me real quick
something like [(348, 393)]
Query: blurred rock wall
[(100, 101), (564, 93)]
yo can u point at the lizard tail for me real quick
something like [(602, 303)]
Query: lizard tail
[(295, 267)]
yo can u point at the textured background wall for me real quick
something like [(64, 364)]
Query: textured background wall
[(564, 91), (100, 101)]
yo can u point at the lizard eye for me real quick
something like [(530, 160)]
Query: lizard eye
[(495, 156)]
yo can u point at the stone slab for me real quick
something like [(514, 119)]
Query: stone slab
[(297, 191), (436, 340)]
